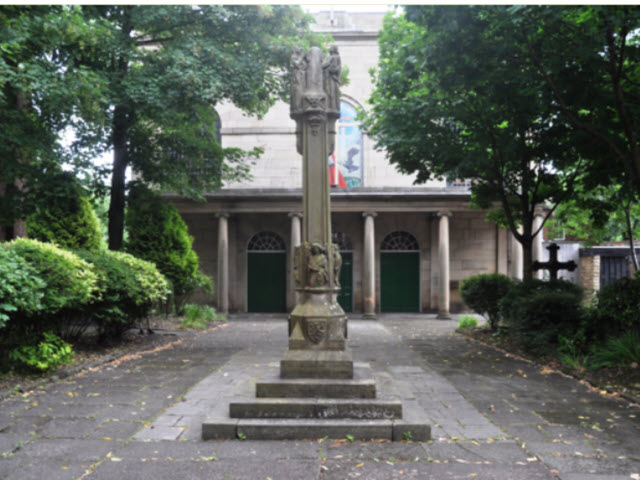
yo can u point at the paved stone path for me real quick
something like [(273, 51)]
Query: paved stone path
[(493, 417)]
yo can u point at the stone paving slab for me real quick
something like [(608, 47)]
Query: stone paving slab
[(489, 420)]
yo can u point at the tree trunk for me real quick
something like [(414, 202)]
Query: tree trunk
[(527, 259), (117, 200), (632, 246)]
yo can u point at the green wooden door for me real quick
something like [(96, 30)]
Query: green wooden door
[(266, 281), (345, 297), (400, 281)]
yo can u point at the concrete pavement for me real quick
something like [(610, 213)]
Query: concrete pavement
[(492, 416)]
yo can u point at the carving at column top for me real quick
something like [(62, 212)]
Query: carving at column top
[(222, 215), (295, 214), (331, 76), (369, 214), (298, 66), (444, 213)]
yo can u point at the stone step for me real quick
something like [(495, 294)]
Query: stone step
[(361, 386), (301, 429), (365, 409), (312, 388)]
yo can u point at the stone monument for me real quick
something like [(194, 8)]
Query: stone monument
[(317, 325), (317, 391)]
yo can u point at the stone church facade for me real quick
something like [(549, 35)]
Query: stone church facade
[(405, 248)]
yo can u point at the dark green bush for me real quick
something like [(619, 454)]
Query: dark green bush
[(618, 307), (64, 216), (157, 233), (70, 285), (130, 287), (538, 313), (482, 293), (21, 288)]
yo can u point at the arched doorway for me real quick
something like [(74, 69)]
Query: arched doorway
[(266, 273), (345, 297), (399, 273)]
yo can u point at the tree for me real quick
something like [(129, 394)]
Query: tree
[(166, 69), (158, 234), (64, 215), (42, 91), (589, 59), (452, 99)]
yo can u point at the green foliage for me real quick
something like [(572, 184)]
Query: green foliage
[(482, 293), (454, 99), (64, 216), (618, 351), (130, 288), (618, 306), (46, 354), (467, 321), (589, 57), (43, 90), (158, 234), (539, 313), (159, 115), (21, 288), (198, 316), (199, 281), (70, 282)]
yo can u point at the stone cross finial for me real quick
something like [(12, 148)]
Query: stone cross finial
[(553, 265)]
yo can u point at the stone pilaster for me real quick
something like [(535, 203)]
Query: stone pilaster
[(443, 260), (369, 267), (222, 275), (590, 276), (295, 241)]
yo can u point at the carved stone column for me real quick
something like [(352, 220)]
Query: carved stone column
[(369, 267), (317, 324), (443, 258), (537, 250), (222, 275), (295, 242)]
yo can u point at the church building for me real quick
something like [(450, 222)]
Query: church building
[(405, 248)]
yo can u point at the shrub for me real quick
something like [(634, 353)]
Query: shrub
[(48, 353), (482, 293), (64, 216), (618, 307), (21, 288), (620, 351), (467, 321), (70, 284), (157, 233), (198, 316), (130, 288), (539, 312)]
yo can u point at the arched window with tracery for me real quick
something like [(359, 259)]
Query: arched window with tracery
[(348, 150)]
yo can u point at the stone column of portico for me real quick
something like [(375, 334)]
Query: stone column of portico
[(443, 257), (222, 275), (295, 241), (537, 245), (515, 269), (369, 267)]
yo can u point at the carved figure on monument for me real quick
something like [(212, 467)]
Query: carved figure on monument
[(337, 264), (318, 266), (331, 76), (298, 70)]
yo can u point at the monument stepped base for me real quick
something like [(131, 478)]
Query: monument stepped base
[(312, 408)]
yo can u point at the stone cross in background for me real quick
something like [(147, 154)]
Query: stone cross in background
[(317, 325), (553, 265)]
